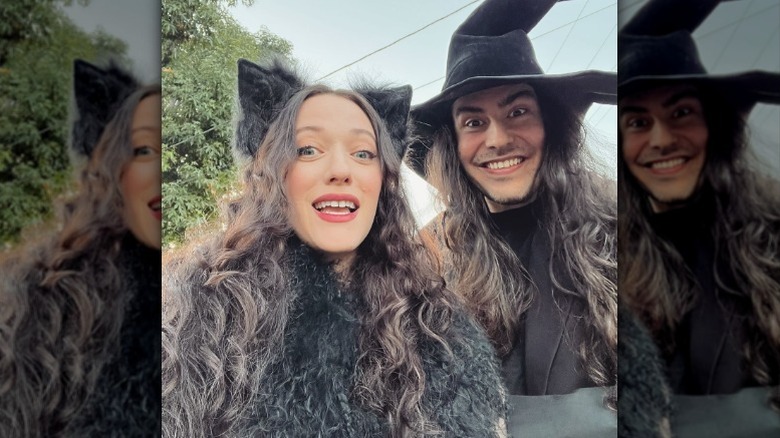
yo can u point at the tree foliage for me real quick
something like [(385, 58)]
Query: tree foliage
[(35, 88), (200, 47)]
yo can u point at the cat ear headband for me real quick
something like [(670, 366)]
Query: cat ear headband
[(263, 90), (99, 94)]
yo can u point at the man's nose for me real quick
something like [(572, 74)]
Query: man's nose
[(661, 136), (497, 135)]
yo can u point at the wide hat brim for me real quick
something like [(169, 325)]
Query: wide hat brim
[(578, 89), (749, 87)]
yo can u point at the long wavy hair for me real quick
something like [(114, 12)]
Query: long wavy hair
[(747, 220), (579, 218), (62, 299), (225, 313)]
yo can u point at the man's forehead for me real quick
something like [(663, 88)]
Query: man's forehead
[(659, 94), (494, 95)]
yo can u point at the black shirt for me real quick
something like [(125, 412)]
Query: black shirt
[(544, 358), (707, 357)]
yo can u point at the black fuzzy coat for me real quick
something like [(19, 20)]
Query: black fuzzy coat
[(307, 392), (644, 397), (126, 400)]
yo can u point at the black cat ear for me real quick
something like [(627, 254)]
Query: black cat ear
[(98, 95), (392, 105), (262, 92)]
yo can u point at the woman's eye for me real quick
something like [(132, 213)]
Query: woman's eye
[(365, 155), (142, 151), (518, 112), (306, 151)]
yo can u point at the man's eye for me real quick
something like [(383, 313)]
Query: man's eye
[(365, 155), (473, 123), (518, 112), (682, 112), (306, 151), (636, 123)]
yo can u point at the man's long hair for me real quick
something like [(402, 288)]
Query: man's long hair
[(63, 299), (747, 244), (226, 309), (579, 218)]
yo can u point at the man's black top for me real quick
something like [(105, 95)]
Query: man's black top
[(707, 357), (544, 359)]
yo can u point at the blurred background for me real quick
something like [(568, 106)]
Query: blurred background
[(39, 39)]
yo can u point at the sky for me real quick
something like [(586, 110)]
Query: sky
[(326, 36), (136, 22), (410, 40)]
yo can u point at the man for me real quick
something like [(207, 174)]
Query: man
[(699, 233), (528, 235)]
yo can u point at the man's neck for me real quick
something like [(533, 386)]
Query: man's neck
[(498, 207)]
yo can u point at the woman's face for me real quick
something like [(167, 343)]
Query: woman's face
[(141, 176), (334, 184)]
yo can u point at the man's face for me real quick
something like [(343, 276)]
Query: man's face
[(664, 136), (500, 142)]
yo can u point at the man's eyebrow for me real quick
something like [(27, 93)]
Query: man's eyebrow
[(676, 97), (516, 95), (468, 109), (631, 109)]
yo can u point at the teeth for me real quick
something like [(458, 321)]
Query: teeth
[(503, 164), (667, 164), (335, 204)]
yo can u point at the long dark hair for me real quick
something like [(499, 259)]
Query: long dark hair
[(225, 312), (747, 245), (63, 299), (580, 219)]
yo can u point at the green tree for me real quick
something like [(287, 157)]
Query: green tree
[(200, 47), (35, 88)]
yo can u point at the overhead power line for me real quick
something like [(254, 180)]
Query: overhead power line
[(400, 39)]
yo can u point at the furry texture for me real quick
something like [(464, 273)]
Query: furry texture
[(113, 392), (644, 399), (98, 95), (309, 389), (263, 90)]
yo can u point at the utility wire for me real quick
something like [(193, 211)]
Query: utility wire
[(766, 46), (539, 36), (714, 31), (731, 37), (602, 45), (567, 36), (400, 39)]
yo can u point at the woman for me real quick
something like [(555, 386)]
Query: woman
[(315, 313), (79, 311)]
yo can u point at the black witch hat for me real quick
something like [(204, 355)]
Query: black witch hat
[(263, 90), (492, 48), (98, 95), (656, 46)]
